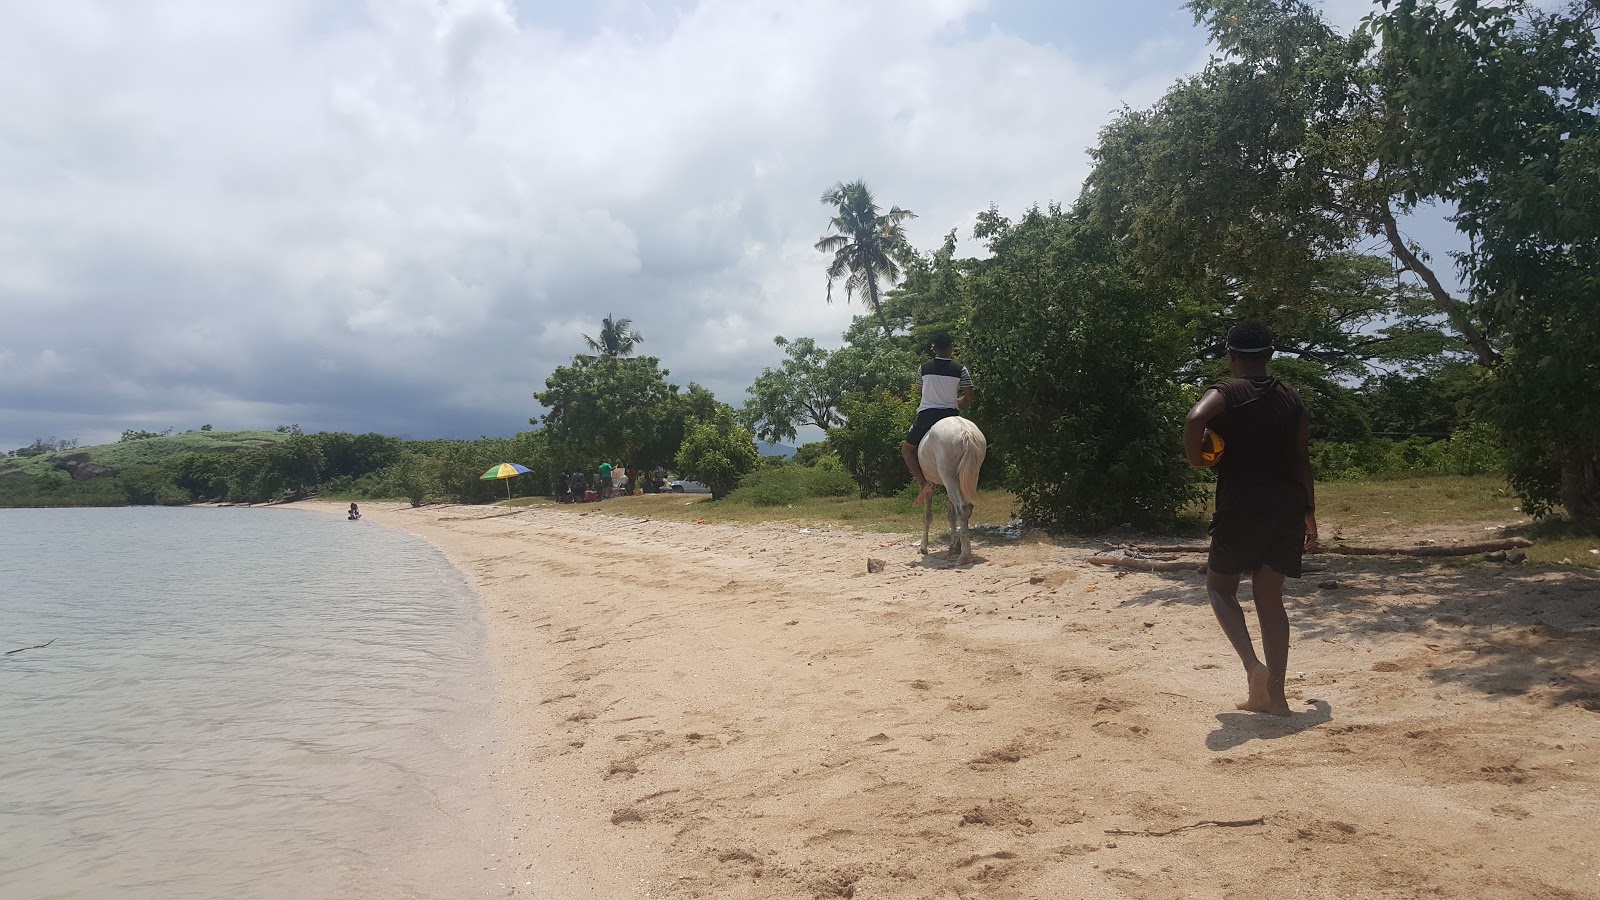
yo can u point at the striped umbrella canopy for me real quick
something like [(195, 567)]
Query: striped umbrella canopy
[(505, 470)]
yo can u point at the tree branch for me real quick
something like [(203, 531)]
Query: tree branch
[(1454, 309)]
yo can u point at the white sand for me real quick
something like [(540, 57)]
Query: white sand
[(732, 712)]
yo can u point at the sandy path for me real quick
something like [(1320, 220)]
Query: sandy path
[(727, 712)]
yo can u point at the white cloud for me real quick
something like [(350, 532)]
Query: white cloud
[(360, 216)]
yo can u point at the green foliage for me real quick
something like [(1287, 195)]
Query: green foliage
[(136, 435), (1433, 403), (717, 452), (1076, 354), (55, 488), (868, 444), (1474, 450), (811, 384), (1502, 112), (151, 486), (812, 453), (788, 483), (621, 410)]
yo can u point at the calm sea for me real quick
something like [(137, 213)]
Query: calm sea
[(238, 703)]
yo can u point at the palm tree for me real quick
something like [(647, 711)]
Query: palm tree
[(617, 338), (866, 247)]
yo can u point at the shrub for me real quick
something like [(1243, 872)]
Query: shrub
[(718, 453), (868, 445), (1072, 350), (1471, 451), (784, 485)]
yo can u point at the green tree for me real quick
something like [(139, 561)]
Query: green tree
[(1259, 182), (1501, 113), (151, 486), (355, 455), (867, 247), (607, 408), (617, 338), (134, 434), (717, 452), (868, 445), (812, 383), (1078, 353)]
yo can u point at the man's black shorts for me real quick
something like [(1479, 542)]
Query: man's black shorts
[(925, 420), (1244, 541)]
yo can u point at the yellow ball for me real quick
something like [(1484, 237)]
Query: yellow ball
[(1211, 446)]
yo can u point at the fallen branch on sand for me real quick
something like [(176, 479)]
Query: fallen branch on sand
[(1146, 565), (34, 647), (1339, 549), (1239, 823)]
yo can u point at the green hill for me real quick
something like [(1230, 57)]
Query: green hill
[(85, 463)]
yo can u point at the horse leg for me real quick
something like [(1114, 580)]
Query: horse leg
[(927, 523), (966, 533), (950, 513)]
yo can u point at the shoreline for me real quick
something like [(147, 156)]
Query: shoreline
[(743, 711)]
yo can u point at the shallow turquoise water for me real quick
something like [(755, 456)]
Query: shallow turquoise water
[(238, 703)]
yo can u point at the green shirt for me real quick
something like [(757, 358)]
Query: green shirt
[(605, 471)]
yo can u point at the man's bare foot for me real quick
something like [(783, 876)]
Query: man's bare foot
[(1261, 699), (924, 494)]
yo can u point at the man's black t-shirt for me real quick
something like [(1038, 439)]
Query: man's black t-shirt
[(1259, 471)]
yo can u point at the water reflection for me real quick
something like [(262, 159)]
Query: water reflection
[(241, 703)]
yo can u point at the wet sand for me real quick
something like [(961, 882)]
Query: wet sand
[(739, 712)]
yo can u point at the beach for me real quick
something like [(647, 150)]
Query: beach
[(689, 710)]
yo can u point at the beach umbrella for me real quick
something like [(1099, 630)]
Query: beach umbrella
[(505, 470)]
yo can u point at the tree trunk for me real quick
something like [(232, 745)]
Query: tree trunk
[(872, 297), (1454, 309), (1580, 486)]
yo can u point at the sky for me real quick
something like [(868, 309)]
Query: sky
[(401, 215)]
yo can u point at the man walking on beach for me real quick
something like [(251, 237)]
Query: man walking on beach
[(1266, 504), (946, 386)]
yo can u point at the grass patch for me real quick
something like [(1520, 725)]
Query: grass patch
[(148, 451), (1558, 541), (1407, 502)]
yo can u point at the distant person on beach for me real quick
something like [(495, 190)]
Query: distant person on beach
[(946, 386), (658, 480), (563, 487), (604, 483), (1266, 504), (355, 513)]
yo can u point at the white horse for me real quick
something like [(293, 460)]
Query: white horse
[(951, 455)]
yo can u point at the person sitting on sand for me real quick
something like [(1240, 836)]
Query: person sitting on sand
[(355, 513), (1265, 508), (946, 386)]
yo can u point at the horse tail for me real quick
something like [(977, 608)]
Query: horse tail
[(974, 447)]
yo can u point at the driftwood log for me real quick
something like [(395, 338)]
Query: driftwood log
[(1340, 549), (1147, 565)]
